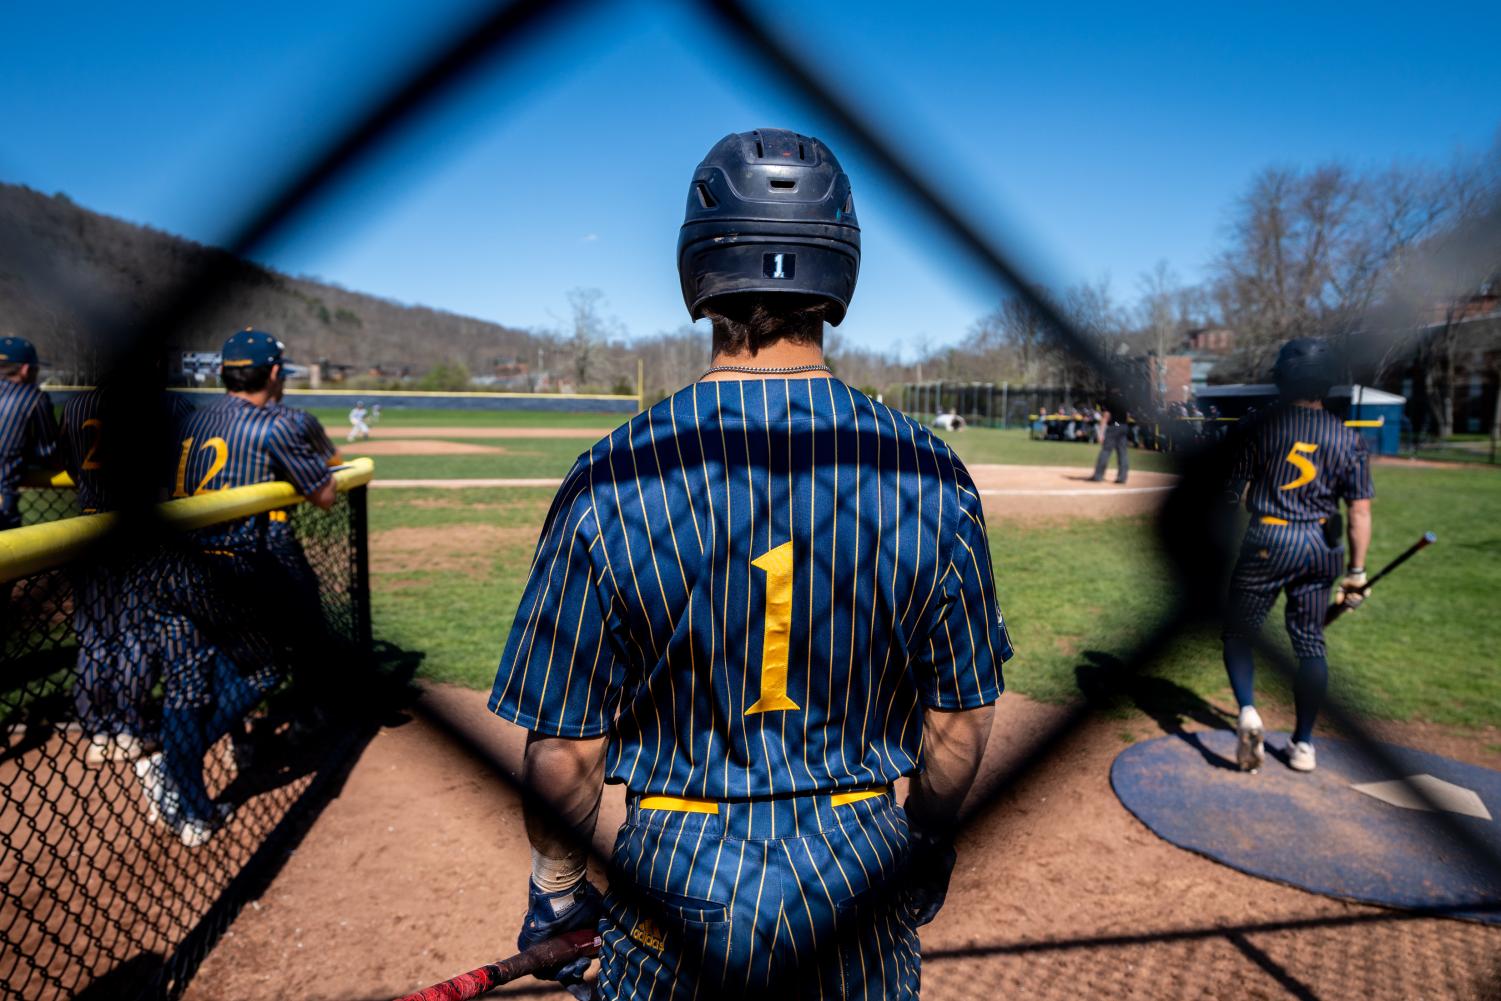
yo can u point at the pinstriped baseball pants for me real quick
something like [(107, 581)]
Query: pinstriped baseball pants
[(787, 898), (1294, 558)]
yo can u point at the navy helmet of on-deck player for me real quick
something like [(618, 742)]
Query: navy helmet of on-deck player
[(769, 211), (1305, 369)]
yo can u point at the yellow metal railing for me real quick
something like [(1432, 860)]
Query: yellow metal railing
[(29, 550)]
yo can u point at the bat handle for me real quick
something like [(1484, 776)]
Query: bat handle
[(544, 955)]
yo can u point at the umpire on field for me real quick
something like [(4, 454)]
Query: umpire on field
[(1295, 462), (756, 605)]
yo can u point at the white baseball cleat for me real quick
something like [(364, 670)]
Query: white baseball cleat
[(1249, 752), (106, 747), (1300, 756), (161, 798)]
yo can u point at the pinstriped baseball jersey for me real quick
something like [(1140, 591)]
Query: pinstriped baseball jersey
[(755, 587), (28, 433), (312, 430), (1301, 463), (234, 443), (85, 451)]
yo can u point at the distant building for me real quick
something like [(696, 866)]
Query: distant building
[(197, 368), (1206, 348), (1170, 377), (1475, 325)]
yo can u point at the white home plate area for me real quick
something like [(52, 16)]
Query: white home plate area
[(1009, 491)]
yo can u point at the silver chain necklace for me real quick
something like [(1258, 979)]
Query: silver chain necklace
[(758, 370)]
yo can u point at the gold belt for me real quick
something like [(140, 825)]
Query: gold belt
[(690, 804), (1268, 519)]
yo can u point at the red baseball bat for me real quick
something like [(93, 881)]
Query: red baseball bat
[(553, 952)]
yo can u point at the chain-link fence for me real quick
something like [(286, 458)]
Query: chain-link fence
[(164, 729), (108, 876), (47, 497)]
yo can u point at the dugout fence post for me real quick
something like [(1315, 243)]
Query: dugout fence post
[(359, 556)]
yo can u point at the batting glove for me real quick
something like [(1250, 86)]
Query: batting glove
[(1352, 588), (931, 865), (549, 915)]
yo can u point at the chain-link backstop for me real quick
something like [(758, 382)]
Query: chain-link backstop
[(163, 728)]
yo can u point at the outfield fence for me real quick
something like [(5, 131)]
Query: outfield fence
[(165, 727), (401, 399)]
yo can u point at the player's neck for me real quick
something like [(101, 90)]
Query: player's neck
[(781, 355), (1309, 404), (259, 398)]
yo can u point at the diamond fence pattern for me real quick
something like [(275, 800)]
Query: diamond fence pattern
[(149, 756), (105, 883)]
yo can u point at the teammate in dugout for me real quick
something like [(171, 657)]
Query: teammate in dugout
[(118, 652), (1295, 462), (756, 605), (28, 430), (219, 607)]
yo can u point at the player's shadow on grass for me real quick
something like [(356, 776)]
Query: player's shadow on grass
[(1108, 685)]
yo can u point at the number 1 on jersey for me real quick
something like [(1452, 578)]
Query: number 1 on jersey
[(775, 649)]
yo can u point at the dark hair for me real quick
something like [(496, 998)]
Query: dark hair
[(252, 379), (752, 321)]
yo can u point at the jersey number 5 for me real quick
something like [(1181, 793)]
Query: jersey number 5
[(1306, 470), (777, 631)]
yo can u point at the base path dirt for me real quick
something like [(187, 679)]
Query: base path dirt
[(419, 446), (418, 871), (1030, 492), (378, 431)]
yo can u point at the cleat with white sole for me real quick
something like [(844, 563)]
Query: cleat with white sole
[(1249, 751), (1300, 757)]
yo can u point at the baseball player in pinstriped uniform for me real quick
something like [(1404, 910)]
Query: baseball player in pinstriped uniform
[(1295, 463), (117, 652), (28, 431), (214, 607), (756, 605)]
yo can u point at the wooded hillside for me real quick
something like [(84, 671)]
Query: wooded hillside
[(61, 264)]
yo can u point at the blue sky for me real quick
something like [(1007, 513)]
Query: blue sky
[(1096, 139)]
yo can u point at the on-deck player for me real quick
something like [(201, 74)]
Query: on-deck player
[(756, 605), (1295, 462), (28, 430)]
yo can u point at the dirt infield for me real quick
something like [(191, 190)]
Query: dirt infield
[(419, 446), (418, 871), (1025, 492), (380, 432)]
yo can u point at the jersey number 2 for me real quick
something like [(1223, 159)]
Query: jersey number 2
[(1306, 470), (775, 650)]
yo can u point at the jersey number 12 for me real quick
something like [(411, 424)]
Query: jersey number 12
[(777, 631)]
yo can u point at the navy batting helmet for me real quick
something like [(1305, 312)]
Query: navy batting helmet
[(1304, 369), (769, 211)]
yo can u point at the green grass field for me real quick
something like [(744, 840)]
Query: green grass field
[(448, 567), (542, 457)]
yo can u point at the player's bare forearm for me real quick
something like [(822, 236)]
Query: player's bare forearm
[(953, 744), (564, 779), (1360, 531)]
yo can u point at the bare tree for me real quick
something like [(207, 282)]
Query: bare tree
[(591, 331)]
